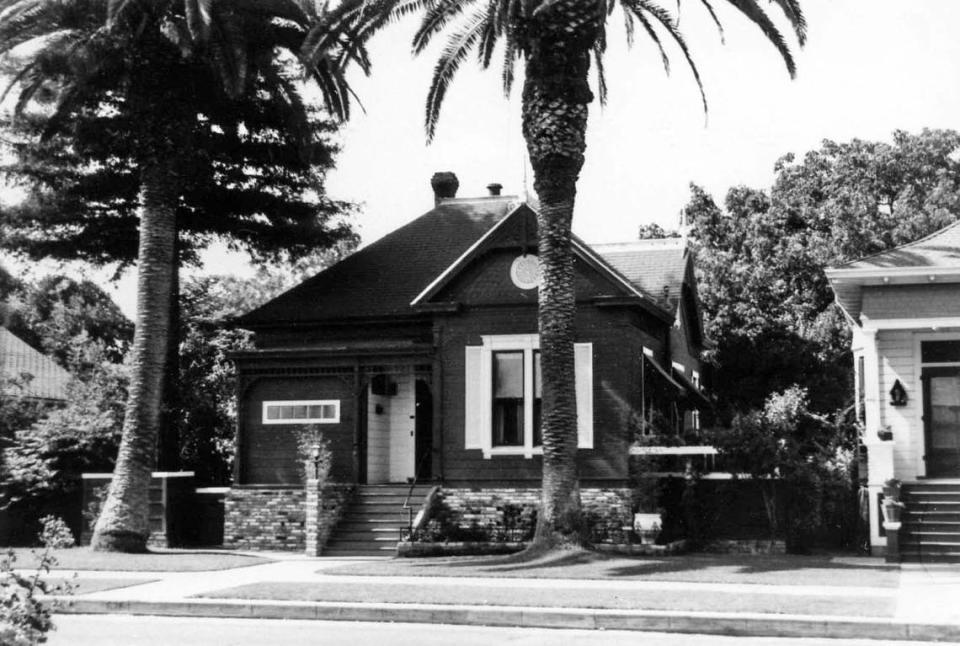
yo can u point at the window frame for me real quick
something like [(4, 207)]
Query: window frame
[(528, 344), (300, 402)]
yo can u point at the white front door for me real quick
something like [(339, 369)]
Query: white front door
[(403, 429)]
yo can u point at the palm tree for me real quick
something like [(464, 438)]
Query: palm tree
[(171, 62), (556, 40)]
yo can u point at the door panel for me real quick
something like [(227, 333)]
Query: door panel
[(941, 414)]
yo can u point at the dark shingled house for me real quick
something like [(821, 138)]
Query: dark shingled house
[(418, 356)]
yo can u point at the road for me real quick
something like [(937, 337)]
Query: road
[(123, 630)]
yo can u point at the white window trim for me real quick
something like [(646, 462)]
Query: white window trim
[(679, 367), (302, 402), (528, 344), (478, 425)]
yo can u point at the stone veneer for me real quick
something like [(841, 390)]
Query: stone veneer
[(484, 507), (265, 518), (324, 508)]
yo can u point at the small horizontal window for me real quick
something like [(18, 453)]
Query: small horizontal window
[(940, 351), (315, 411)]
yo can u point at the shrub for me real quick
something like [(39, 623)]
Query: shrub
[(24, 614), (315, 454), (55, 534)]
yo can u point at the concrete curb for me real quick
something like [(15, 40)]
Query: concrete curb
[(752, 625)]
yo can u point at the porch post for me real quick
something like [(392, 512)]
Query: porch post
[(879, 452)]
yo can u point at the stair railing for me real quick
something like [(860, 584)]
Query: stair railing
[(423, 507)]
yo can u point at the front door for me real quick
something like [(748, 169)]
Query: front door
[(941, 421), (403, 429)]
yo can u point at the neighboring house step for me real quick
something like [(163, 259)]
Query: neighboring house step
[(371, 525), (931, 522)]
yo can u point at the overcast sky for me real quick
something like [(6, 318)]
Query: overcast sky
[(869, 67)]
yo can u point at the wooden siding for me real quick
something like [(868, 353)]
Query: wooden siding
[(269, 451), (897, 361), (911, 301), (617, 345)]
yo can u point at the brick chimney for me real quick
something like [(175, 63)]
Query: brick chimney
[(494, 189), (445, 185)]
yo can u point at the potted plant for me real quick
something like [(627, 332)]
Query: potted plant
[(892, 513), (647, 527), (891, 489)]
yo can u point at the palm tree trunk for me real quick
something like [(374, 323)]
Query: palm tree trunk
[(123, 524), (555, 99)]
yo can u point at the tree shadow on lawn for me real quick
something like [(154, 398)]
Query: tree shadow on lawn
[(722, 568)]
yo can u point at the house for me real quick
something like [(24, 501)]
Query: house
[(903, 306), (418, 356), (43, 378)]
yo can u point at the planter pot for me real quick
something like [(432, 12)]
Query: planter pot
[(892, 512), (647, 527)]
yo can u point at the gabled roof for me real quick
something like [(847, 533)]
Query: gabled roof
[(382, 279), (654, 266), (940, 249), (934, 258), (49, 380)]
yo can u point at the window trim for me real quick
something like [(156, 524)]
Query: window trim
[(527, 344), (301, 402)]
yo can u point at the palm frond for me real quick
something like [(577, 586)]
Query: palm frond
[(454, 53), (641, 10), (716, 20), (435, 19), (791, 9), (759, 17)]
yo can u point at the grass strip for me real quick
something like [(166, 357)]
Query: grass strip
[(566, 597)]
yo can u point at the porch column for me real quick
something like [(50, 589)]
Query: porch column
[(879, 452)]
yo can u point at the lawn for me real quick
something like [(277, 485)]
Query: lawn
[(694, 568), (159, 560), (882, 604)]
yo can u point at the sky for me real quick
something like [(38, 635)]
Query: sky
[(869, 67)]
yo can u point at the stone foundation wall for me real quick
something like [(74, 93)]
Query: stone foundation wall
[(260, 518), (324, 508), (492, 510)]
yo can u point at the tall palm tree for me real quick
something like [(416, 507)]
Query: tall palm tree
[(555, 40), (171, 61)]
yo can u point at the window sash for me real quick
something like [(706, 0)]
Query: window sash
[(303, 411)]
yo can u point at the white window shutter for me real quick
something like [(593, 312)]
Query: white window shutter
[(473, 398), (583, 365)]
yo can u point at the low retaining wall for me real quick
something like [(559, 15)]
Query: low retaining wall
[(509, 513), (265, 518)]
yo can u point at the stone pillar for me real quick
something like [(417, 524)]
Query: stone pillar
[(314, 517)]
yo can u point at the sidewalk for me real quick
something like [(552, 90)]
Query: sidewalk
[(924, 607)]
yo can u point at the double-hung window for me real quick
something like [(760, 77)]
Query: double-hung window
[(504, 391), (516, 397)]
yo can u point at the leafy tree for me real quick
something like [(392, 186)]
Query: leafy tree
[(760, 259), (784, 446), (653, 231), (60, 316), (168, 62), (556, 42)]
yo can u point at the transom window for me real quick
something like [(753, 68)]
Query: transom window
[(517, 395), (312, 411)]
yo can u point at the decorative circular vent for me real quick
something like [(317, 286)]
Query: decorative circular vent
[(525, 271)]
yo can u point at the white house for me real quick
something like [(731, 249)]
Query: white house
[(903, 306)]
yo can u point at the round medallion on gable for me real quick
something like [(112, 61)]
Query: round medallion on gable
[(525, 271)]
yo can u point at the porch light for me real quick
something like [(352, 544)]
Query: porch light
[(898, 394)]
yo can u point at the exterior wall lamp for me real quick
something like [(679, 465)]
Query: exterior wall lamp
[(315, 454), (898, 394)]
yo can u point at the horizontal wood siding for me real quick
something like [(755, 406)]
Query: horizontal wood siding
[(269, 451), (617, 345), (897, 361), (911, 301)]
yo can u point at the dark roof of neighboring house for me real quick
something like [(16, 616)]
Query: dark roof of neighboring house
[(939, 249), (651, 265), (49, 380), (382, 279)]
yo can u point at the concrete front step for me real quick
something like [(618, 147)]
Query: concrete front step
[(371, 524)]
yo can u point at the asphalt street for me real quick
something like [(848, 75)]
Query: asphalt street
[(125, 630)]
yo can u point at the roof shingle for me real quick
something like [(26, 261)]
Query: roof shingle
[(49, 380)]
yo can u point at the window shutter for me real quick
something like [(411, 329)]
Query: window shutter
[(473, 398), (583, 365)]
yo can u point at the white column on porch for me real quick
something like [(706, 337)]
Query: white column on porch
[(879, 452)]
